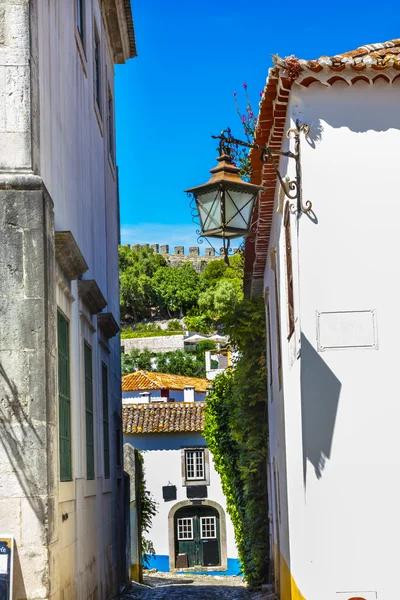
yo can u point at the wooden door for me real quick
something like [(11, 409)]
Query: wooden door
[(197, 535)]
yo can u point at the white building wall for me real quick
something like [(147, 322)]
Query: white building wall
[(81, 179), (340, 414), (163, 465), (177, 395)]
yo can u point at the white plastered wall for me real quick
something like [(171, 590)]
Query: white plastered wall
[(340, 409), (163, 465)]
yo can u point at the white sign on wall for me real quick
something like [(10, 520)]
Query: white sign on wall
[(338, 330)]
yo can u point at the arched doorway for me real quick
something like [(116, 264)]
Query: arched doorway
[(197, 536)]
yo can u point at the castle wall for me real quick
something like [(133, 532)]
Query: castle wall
[(178, 257)]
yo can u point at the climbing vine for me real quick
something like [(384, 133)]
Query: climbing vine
[(148, 510), (237, 435)]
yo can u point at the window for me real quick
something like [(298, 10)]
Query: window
[(194, 464), (289, 271), (80, 18), (208, 528), (89, 412), (97, 68), (106, 433), (111, 126), (185, 529), (64, 399)]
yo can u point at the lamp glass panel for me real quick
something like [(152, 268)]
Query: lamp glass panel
[(209, 207), (238, 208)]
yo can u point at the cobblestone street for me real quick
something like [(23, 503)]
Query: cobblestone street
[(186, 587)]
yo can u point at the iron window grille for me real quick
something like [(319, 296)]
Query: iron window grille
[(208, 528), (195, 470), (185, 529)]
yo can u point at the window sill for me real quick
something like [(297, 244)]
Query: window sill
[(98, 117), (81, 51), (189, 482)]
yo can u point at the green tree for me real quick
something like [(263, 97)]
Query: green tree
[(177, 287), (199, 322), (137, 360), (218, 269), (136, 269), (180, 362), (222, 298)]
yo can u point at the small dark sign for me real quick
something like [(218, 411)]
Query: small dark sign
[(6, 568), (196, 491), (168, 492)]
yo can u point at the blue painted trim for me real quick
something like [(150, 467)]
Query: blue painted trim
[(161, 563)]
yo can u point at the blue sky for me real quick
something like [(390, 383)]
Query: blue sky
[(192, 56)]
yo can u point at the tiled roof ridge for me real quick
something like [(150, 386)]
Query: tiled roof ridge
[(369, 58), (163, 417), (369, 54), (370, 63), (154, 380)]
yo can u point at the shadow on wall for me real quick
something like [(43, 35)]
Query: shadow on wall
[(320, 392), (17, 433), (383, 118)]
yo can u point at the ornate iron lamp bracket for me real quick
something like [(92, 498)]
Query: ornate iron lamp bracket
[(292, 188)]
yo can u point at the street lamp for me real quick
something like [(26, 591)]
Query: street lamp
[(225, 204)]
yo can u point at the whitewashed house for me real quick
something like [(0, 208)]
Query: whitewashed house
[(329, 277), (192, 529), (61, 474)]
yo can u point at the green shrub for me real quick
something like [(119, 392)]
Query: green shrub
[(174, 326), (128, 333)]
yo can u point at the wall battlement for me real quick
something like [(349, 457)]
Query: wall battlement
[(180, 250), (178, 256)]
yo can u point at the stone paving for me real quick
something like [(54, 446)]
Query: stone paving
[(164, 586)]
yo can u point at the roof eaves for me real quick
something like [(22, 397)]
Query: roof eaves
[(131, 29)]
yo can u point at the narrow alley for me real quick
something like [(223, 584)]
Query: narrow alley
[(184, 587)]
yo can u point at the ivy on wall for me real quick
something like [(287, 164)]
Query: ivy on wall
[(237, 434)]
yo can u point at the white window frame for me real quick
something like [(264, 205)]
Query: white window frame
[(212, 520), (199, 464), (185, 522)]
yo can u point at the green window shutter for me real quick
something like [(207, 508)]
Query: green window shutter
[(106, 434), (64, 399), (89, 412)]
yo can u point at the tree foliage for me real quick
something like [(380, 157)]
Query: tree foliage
[(178, 362), (150, 288), (148, 510), (237, 435), (177, 288)]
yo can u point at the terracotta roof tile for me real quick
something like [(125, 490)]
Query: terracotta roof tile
[(163, 417), (150, 380)]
